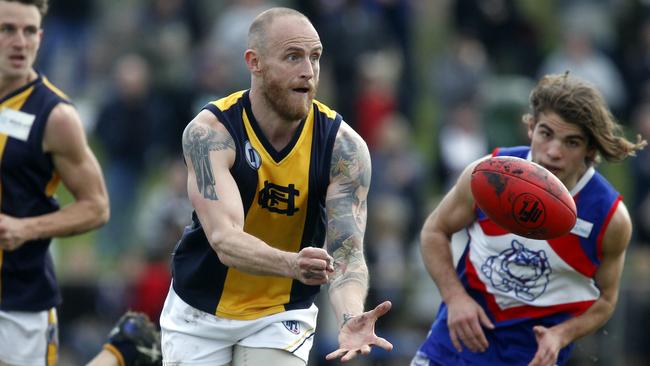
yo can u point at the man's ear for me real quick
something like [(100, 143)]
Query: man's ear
[(252, 58), (530, 122)]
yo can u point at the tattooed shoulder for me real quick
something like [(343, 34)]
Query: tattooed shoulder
[(200, 136), (198, 141), (350, 157)]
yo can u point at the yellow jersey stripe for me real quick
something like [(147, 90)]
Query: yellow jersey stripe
[(52, 185), (330, 113), (16, 102), (56, 90), (3, 143), (227, 102)]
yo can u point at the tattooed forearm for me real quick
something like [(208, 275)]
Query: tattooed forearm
[(349, 265), (198, 141)]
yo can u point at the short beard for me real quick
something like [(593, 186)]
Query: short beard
[(277, 98)]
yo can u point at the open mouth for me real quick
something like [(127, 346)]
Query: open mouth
[(17, 58), (552, 169), (301, 90)]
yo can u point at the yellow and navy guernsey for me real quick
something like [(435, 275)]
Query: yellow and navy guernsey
[(27, 185), (283, 193)]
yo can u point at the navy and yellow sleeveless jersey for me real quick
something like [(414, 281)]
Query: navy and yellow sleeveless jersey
[(283, 194), (27, 185)]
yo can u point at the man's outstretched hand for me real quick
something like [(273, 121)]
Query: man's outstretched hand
[(357, 335)]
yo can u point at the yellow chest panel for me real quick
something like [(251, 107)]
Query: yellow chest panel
[(277, 216)]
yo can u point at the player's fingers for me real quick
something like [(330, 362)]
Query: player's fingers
[(383, 343), (365, 349), (535, 361), (469, 337), (479, 336), (313, 252), (316, 265), (454, 340), (350, 355), (540, 358), (381, 309), (485, 320), (336, 354)]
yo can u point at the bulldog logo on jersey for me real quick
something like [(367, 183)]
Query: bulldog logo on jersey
[(253, 158), (520, 270), (278, 199), (292, 325)]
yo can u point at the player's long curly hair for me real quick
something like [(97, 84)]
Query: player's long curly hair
[(42, 5), (580, 103)]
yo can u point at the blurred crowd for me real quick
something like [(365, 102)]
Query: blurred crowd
[(430, 85)]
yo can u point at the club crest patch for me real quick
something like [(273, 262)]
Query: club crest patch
[(292, 325), (253, 158), (519, 270)]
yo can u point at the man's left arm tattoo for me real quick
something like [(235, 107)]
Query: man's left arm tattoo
[(198, 141)]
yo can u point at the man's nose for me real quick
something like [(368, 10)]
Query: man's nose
[(307, 70)]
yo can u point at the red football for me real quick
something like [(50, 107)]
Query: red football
[(523, 197)]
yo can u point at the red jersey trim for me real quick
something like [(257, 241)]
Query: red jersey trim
[(610, 214)]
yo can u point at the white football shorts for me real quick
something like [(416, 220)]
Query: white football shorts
[(193, 337), (29, 338)]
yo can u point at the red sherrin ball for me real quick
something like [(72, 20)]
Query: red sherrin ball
[(523, 197)]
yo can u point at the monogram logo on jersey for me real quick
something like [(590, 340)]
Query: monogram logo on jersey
[(529, 211), (252, 156), (520, 270), (278, 199), (292, 325)]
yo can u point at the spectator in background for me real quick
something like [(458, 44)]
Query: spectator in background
[(64, 52), (458, 74), (510, 38), (397, 33), (376, 100), (462, 139), (578, 54), (166, 210), (395, 207), (229, 35), (163, 216), (362, 31), (174, 30), (636, 67), (42, 143), (399, 172), (124, 128)]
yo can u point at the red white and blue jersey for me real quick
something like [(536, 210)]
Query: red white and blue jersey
[(522, 282)]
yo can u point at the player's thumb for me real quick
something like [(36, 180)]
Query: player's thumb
[(485, 320), (539, 330)]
